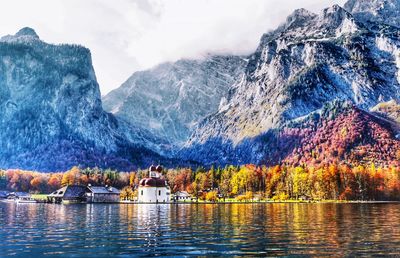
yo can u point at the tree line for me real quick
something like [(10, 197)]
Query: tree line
[(280, 182)]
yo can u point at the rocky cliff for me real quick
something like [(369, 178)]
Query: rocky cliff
[(169, 100), (51, 116)]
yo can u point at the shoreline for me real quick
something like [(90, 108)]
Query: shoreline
[(270, 202), (40, 199)]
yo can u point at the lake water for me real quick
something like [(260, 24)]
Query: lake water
[(279, 229)]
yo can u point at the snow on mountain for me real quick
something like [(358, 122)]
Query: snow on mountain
[(310, 60), (169, 100)]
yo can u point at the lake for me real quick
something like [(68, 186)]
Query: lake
[(125, 230)]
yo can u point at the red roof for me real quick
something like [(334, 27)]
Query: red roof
[(152, 182)]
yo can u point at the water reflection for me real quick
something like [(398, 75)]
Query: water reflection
[(97, 230)]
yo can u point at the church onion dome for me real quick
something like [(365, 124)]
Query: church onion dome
[(152, 182), (153, 168), (159, 169)]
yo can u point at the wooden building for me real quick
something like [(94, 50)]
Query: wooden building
[(68, 194), (182, 196), (102, 194), (91, 194)]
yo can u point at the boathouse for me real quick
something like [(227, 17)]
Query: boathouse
[(182, 196), (68, 194), (18, 195), (102, 194), (78, 193), (153, 189), (4, 194)]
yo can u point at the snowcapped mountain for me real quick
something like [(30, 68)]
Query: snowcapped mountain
[(169, 100), (309, 61), (51, 116)]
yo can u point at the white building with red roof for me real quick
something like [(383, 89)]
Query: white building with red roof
[(154, 189)]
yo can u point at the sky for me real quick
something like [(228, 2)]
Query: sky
[(125, 36)]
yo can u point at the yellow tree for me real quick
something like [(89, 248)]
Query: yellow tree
[(235, 183), (128, 194), (300, 182), (70, 177), (132, 179), (200, 183), (212, 196)]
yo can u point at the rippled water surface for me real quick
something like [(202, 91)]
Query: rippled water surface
[(97, 230)]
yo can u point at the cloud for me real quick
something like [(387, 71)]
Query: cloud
[(129, 35)]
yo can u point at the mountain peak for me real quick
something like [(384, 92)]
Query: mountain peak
[(26, 31), (302, 13), (335, 11), (334, 8), (332, 21), (25, 34), (298, 18)]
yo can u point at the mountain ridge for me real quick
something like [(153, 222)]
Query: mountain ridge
[(170, 99), (307, 62), (218, 110)]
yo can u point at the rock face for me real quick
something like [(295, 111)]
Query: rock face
[(310, 60), (51, 116), (382, 11), (389, 110), (169, 100)]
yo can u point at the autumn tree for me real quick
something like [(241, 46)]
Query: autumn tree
[(300, 182), (71, 177), (54, 182), (225, 186), (212, 196), (127, 193), (39, 183)]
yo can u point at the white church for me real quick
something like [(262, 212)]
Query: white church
[(154, 189)]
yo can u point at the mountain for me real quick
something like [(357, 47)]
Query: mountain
[(389, 110), (319, 88), (338, 133), (169, 100), (51, 115), (381, 11), (309, 61)]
